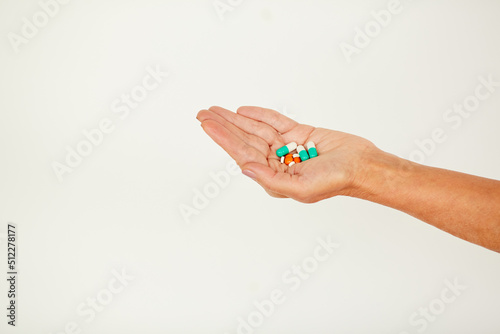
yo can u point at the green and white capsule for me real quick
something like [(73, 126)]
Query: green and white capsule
[(302, 153), (286, 149), (311, 149)]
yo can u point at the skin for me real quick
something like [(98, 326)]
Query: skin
[(464, 205)]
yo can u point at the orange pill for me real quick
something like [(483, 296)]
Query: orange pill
[(296, 158), (288, 158)]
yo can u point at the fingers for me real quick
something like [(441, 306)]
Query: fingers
[(232, 144), (277, 184), (249, 125), (281, 123), (228, 141), (204, 115), (254, 141), (247, 137), (275, 195)]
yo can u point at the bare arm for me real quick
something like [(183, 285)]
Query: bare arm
[(464, 205)]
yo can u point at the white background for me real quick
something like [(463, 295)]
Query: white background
[(120, 209)]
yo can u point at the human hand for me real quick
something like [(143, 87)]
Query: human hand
[(353, 166), (253, 134)]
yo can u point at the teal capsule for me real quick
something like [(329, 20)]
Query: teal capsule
[(302, 153), (286, 149), (311, 149)]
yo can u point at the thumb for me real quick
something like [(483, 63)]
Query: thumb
[(269, 179)]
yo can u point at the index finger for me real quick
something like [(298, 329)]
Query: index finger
[(249, 125), (232, 144), (278, 121)]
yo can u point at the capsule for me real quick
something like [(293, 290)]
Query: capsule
[(296, 158), (288, 159), (283, 159), (291, 164), (311, 149), (286, 149), (302, 153)]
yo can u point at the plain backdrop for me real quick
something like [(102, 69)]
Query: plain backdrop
[(121, 208)]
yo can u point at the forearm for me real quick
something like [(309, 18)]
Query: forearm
[(464, 205)]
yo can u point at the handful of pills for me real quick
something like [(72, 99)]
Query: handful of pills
[(289, 158)]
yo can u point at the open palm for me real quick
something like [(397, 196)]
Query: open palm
[(253, 134)]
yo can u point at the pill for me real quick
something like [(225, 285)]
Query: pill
[(283, 160), (288, 159), (286, 149), (291, 164), (311, 149), (302, 153), (296, 158)]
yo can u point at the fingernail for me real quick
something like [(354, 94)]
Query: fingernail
[(250, 174)]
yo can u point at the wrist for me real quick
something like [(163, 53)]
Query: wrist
[(380, 175)]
